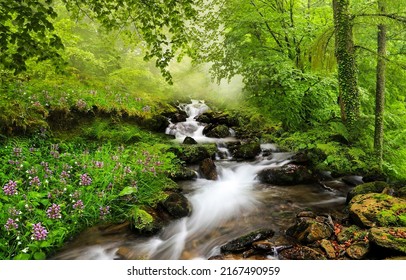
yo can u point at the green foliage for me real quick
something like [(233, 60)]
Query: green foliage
[(27, 33), (69, 185)]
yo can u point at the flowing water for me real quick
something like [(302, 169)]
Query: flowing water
[(231, 206)]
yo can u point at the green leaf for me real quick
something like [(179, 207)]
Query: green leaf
[(22, 257), (40, 256), (127, 191)]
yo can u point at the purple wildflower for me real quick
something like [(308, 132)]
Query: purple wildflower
[(54, 212), (35, 181), (78, 205), (104, 211), (10, 188), (99, 164), (39, 232), (76, 194), (64, 174), (14, 212), (11, 224), (85, 180), (127, 170), (81, 104), (17, 151)]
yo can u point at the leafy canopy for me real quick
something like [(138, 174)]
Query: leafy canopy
[(26, 28)]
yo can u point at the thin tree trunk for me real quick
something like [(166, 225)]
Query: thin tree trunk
[(347, 69), (380, 88)]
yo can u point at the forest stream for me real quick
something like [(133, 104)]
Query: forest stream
[(235, 204)]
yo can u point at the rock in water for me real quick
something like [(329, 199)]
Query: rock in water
[(287, 175), (189, 141), (208, 169), (177, 205), (245, 242)]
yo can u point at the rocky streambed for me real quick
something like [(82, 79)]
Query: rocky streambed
[(243, 199)]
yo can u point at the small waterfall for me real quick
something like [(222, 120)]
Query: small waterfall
[(191, 127)]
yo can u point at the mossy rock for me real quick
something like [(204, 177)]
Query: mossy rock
[(157, 123), (371, 210), (308, 230), (145, 221), (218, 131), (358, 250), (246, 151), (392, 238), (244, 242), (401, 192), (191, 154), (182, 174), (372, 187), (287, 175), (352, 233), (177, 205)]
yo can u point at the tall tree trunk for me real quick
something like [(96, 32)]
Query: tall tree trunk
[(347, 68), (380, 87)]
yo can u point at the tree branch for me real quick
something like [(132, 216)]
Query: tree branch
[(396, 17)]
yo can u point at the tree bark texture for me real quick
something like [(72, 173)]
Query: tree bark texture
[(347, 68), (380, 88)]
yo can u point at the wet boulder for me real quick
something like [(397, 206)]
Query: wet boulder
[(177, 205), (208, 169), (183, 173), (246, 151), (194, 153), (307, 229), (376, 210), (389, 238), (245, 242), (189, 141), (372, 187), (287, 175), (157, 123), (216, 131)]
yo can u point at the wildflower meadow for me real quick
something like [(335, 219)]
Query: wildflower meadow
[(52, 191)]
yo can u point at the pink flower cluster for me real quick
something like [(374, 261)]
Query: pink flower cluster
[(54, 212), (85, 180), (10, 188), (39, 232)]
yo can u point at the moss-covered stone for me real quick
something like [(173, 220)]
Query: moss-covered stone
[(246, 151), (372, 187), (244, 242), (358, 250), (287, 175), (145, 221), (371, 210), (217, 131), (191, 154), (177, 205), (352, 233), (389, 238), (309, 230)]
